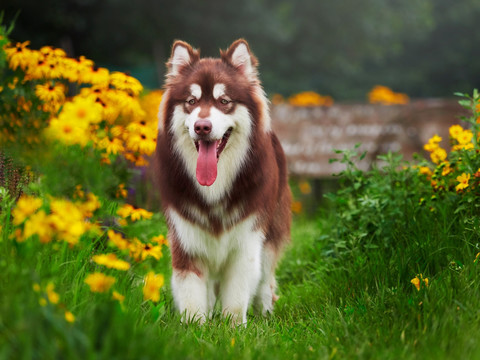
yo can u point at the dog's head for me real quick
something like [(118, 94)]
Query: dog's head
[(211, 106)]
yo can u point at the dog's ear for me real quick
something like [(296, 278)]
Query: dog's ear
[(239, 55), (182, 55)]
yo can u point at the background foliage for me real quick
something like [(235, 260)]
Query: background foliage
[(341, 48)]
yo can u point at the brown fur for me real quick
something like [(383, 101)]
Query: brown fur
[(261, 187)]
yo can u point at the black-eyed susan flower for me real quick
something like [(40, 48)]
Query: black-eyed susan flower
[(51, 92), (21, 56), (122, 81), (152, 285), (99, 282), (111, 146), (94, 75)]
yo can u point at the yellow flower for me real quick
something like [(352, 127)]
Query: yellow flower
[(75, 67), (151, 289), (68, 131), (128, 210), (68, 220), (463, 181), (446, 169), (89, 206), (432, 144), (160, 240), (52, 296), (94, 75), (417, 281), (117, 240), (38, 224), (121, 191), (26, 206), (150, 103), (425, 170), (305, 187), (21, 56), (310, 98), (438, 155), (69, 317), (99, 282), (111, 146), (465, 137), (455, 131), (117, 296), (122, 81), (143, 140), (384, 95), (141, 251), (83, 110), (53, 93), (111, 261), (296, 207)]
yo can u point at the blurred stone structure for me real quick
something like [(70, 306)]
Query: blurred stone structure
[(309, 135)]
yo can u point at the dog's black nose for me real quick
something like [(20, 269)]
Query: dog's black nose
[(203, 127)]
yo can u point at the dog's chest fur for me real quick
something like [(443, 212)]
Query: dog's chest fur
[(213, 252)]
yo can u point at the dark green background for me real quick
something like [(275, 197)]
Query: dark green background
[(338, 47)]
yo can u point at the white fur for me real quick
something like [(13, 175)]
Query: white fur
[(233, 259), (242, 59), (231, 159), (220, 123), (180, 57), (264, 299), (196, 91), (218, 90)]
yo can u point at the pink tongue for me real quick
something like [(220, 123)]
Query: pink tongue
[(207, 162)]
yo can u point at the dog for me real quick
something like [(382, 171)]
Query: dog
[(222, 179)]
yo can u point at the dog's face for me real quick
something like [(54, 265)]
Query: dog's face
[(211, 107)]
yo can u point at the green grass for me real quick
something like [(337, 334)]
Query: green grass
[(332, 305)]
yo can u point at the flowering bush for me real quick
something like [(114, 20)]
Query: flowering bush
[(72, 135), (455, 175), (50, 96)]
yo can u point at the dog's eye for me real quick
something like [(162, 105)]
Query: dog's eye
[(224, 101), (192, 101)]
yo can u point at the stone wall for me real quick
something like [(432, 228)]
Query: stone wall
[(310, 134)]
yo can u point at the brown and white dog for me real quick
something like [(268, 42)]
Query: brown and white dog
[(222, 178)]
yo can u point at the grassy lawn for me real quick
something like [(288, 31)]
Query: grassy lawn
[(348, 306)]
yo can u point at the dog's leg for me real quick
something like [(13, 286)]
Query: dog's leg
[(241, 278), (265, 297), (190, 294)]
